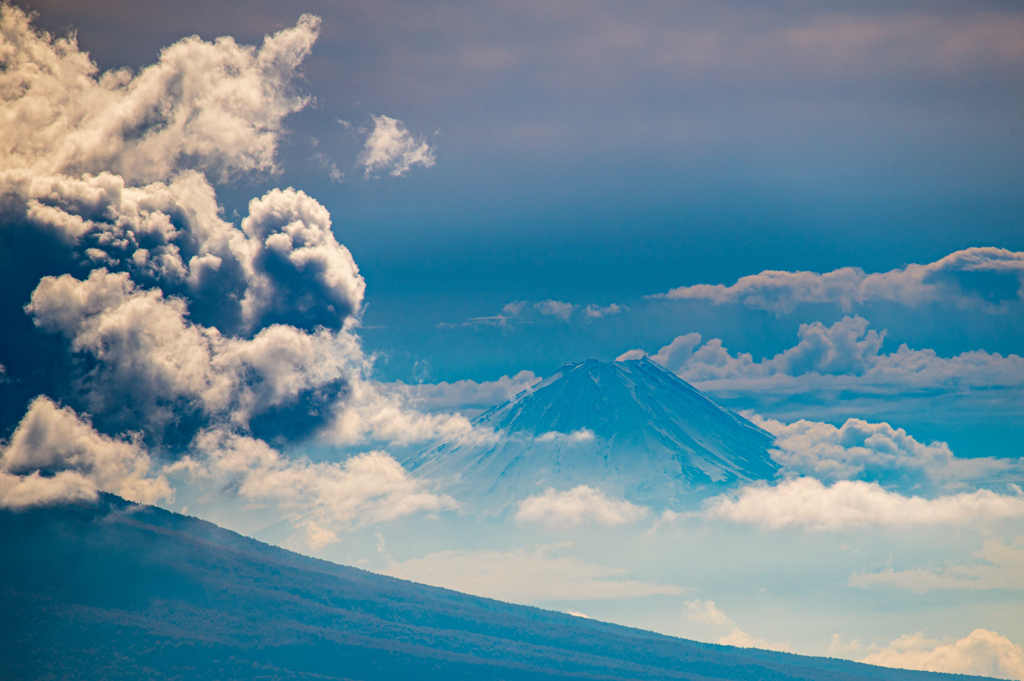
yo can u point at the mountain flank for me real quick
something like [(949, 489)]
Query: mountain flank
[(118, 591)]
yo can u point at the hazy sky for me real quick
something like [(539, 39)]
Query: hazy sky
[(392, 212)]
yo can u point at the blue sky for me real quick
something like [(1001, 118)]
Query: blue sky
[(276, 266)]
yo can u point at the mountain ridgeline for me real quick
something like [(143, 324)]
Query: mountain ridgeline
[(631, 428), (115, 591)]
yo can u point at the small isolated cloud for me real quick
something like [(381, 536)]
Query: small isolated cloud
[(597, 312), (913, 285), (514, 309), (742, 639), (55, 456), (982, 653), (705, 612), (555, 308), (391, 147), (807, 503), (997, 566), (574, 437), (526, 576), (576, 506)]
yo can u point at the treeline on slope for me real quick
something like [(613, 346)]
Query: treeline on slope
[(118, 591)]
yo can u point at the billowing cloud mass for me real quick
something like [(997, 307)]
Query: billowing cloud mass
[(877, 451), (56, 455), (844, 355), (193, 341), (982, 653), (391, 147), (850, 504), (215, 107), (997, 566), (576, 506), (942, 280), (526, 576)]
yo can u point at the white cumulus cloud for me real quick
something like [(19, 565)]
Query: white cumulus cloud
[(597, 312), (555, 308), (390, 146), (982, 652), (876, 450), (576, 506), (807, 503)]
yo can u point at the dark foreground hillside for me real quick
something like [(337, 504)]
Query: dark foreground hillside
[(116, 591)]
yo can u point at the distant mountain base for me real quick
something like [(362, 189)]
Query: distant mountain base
[(631, 428), (117, 591)]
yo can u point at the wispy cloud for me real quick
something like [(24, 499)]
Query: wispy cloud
[(523, 575), (996, 566)]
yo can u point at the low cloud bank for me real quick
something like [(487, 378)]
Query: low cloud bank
[(321, 498), (847, 504), (742, 639), (526, 576), (844, 356), (982, 652)]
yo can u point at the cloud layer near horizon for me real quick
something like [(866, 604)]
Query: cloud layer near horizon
[(845, 355)]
